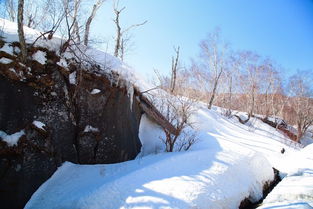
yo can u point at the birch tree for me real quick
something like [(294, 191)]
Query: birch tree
[(120, 40), (21, 36), (213, 56), (94, 10), (301, 92)]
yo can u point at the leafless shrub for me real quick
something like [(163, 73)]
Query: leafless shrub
[(177, 110)]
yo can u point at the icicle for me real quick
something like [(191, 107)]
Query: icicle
[(130, 93)]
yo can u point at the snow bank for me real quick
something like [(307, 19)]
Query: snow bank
[(291, 191), (171, 180), (296, 189), (12, 139)]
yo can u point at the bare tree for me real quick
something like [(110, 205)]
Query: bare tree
[(269, 86), (76, 29), (21, 31), (174, 70), (250, 79), (213, 56), (300, 86), (10, 9), (35, 12), (95, 7), (177, 110), (119, 49), (231, 73)]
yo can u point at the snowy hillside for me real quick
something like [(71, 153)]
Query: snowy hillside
[(229, 163)]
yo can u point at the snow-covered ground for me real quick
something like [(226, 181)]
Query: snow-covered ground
[(296, 189), (229, 162)]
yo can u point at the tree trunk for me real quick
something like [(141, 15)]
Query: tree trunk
[(213, 95), (251, 111), (214, 90), (89, 20), (299, 130), (174, 71), (118, 35), (230, 95), (21, 31)]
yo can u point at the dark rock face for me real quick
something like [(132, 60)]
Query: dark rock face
[(66, 110), (117, 120)]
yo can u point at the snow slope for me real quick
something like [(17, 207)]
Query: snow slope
[(296, 189), (229, 162)]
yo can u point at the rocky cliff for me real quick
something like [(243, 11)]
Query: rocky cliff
[(73, 113)]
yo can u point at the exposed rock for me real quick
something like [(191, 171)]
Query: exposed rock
[(43, 93)]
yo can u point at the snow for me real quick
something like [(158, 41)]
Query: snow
[(95, 91), (12, 70), (62, 63), (291, 190), (107, 62), (4, 60), (229, 162), (216, 172), (144, 184), (39, 124), (89, 128), (72, 78), (12, 139), (149, 135), (40, 57), (7, 48), (307, 139), (296, 189)]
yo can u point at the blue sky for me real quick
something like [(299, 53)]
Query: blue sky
[(279, 29)]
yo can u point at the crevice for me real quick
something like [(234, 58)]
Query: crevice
[(267, 188)]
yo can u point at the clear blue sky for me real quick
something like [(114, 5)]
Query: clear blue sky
[(280, 29)]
